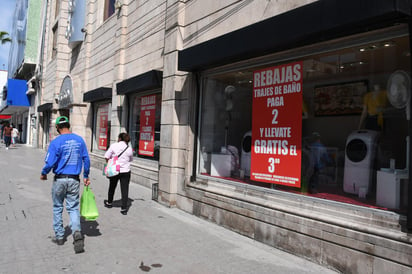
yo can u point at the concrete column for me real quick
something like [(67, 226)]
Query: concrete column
[(118, 118), (174, 121)]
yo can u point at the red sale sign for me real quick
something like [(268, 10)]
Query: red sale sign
[(147, 125), (277, 125), (103, 126)]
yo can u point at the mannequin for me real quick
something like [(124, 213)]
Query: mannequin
[(374, 103), (229, 90)]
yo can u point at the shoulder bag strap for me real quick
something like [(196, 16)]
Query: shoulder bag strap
[(122, 151)]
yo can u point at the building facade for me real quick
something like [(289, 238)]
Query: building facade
[(285, 121), (18, 97)]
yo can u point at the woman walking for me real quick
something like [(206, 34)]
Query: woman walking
[(124, 153), (14, 135)]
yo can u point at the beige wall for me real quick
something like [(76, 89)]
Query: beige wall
[(204, 22), (125, 45)]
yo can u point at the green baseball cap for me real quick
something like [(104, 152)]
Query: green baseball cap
[(62, 120)]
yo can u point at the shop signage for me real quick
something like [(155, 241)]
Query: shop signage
[(277, 125), (103, 126), (147, 125)]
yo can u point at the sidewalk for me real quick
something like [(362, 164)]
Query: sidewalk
[(151, 238)]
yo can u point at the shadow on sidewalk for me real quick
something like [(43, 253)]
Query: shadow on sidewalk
[(89, 228), (118, 203)]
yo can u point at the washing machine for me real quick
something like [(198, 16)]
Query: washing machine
[(246, 154), (360, 154)]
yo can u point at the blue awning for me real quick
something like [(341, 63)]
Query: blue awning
[(14, 97)]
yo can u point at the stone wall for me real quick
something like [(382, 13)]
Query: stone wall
[(348, 239)]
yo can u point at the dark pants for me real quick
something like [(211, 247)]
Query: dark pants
[(124, 188), (7, 140)]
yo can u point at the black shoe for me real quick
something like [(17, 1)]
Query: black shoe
[(78, 242), (123, 211), (57, 241), (107, 204)]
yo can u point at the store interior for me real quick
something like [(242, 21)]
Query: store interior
[(366, 143)]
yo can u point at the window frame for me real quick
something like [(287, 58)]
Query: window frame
[(132, 97), (96, 106)]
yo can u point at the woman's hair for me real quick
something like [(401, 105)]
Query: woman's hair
[(124, 137)]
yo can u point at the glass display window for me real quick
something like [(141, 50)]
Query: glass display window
[(102, 125), (145, 125), (328, 120)]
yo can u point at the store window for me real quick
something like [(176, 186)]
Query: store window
[(329, 121), (145, 125), (102, 125)]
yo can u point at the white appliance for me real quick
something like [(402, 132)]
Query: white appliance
[(245, 157), (388, 187), (221, 165), (360, 153)]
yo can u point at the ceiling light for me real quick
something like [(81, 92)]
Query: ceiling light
[(388, 44), (385, 44), (352, 64)]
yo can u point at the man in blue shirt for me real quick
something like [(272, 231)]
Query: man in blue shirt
[(66, 155)]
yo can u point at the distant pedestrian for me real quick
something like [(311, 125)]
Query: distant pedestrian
[(126, 156), (1, 130), (15, 136), (7, 135), (66, 155)]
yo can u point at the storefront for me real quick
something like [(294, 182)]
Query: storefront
[(144, 99), (139, 115), (45, 123), (303, 132), (298, 124), (16, 102), (101, 102)]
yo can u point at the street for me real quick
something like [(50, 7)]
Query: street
[(151, 238)]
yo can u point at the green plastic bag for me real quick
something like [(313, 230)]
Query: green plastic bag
[(88, 207)]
